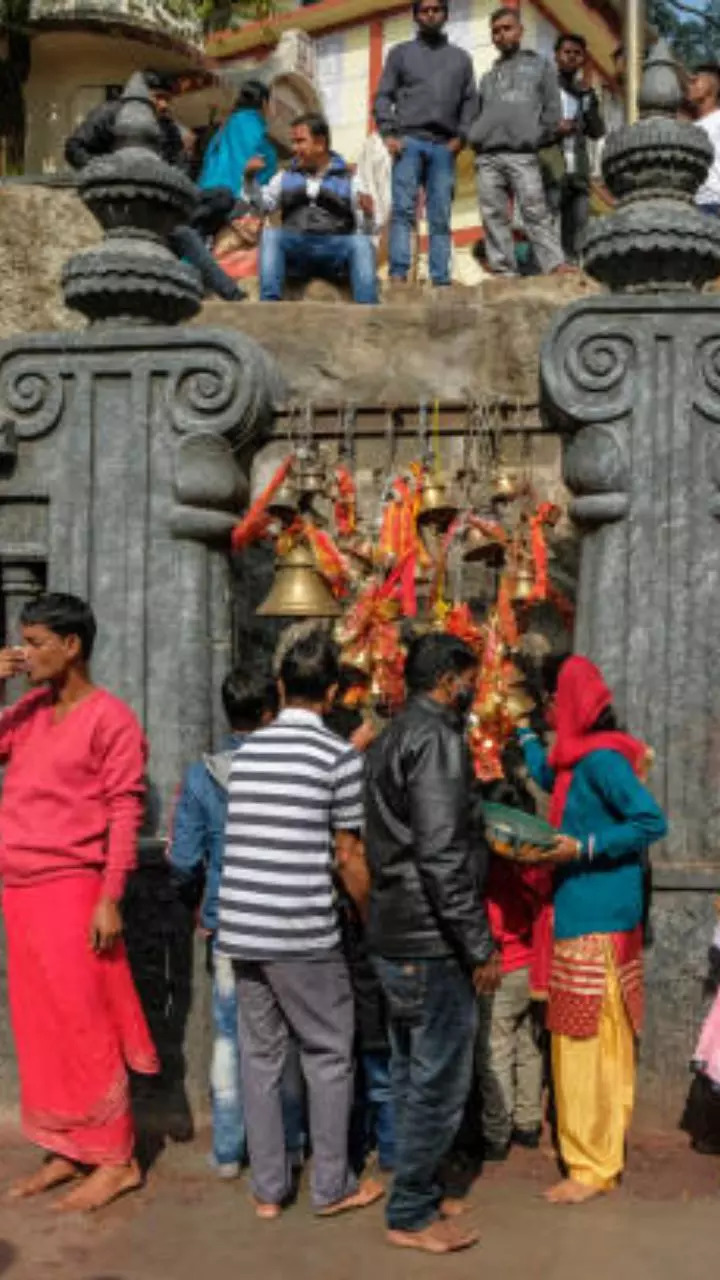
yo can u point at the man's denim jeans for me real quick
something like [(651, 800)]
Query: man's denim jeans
[(227, 1107), (429, 165), (306, 257), (432, 1032)]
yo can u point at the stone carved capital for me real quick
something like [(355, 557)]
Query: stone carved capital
[(587, 361), (209, 393), (32, 393)]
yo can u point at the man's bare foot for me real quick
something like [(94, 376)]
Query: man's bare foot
[(453, 1207), (565, 269), (367, 1193), (439, 1237), (104, 1185), (52, 1173), (265, 1211), (570, 1192)]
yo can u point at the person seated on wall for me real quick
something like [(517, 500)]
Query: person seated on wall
[(326, 218), (243, 136)]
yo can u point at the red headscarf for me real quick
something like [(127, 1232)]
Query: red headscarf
[(582, 695)]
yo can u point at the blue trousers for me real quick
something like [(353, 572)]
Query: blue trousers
[(307, 257), (372, 1123), (228, 1117), (429, 165), (432, 1011)]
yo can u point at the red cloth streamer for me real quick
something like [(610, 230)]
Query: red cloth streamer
[(254, 525), (329, 560), (345, 507), (547, 513)]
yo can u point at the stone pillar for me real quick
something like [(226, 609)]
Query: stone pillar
[(124, 453), (139, 436), (632, 379)]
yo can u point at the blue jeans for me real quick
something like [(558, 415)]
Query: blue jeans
[(305, 257), (187, 243), (432, 1032), (372, 1123), (228, 1119), (429, 165)]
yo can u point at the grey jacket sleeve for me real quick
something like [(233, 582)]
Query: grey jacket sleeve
[(450, 870), (386, 96), (469, 105), (550, 106)]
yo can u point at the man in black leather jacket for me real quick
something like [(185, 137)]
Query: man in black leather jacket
[(427, 927)]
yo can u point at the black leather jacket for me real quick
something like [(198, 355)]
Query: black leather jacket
[(427, 861)]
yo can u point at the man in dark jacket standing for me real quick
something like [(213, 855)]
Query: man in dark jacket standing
[(424, 107), (427, 927), (567, 165), (520, 113)]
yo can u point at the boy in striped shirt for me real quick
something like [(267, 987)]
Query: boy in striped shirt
[(294, 812)]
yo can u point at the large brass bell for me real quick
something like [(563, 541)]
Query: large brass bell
[(283, 505), (436, 505), (299, 590)]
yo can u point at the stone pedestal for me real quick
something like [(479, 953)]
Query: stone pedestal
[(632, 381)]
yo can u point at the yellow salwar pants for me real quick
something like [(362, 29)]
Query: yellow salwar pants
[(594, 1081)]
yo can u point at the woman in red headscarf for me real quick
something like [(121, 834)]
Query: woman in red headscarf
[(608, 819)]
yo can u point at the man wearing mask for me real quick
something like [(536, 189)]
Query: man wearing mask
[(520, 113), (567, 167), (427, 928), (424, 107)]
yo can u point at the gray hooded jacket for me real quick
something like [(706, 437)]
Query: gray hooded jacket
[(520, 108)]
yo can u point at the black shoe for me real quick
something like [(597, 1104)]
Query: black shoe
[(494, 1154), (529, 1138)]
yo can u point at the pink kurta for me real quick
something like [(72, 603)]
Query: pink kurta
[(70, 812)]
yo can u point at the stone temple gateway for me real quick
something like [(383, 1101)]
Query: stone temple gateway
[(125, 453)]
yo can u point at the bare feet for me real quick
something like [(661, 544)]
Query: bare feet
[(52, 1173), (439, 1237), (266, 1212), (104, 1185), (565, 269), (367, 1193), (570, 1192), (453, 1207)]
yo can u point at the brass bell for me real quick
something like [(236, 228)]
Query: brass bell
[(283, 505), (524, 584), (518, 704), (299, 590), (311, 478), (436, 505), (360, 660), (477, 546), (504, 487)]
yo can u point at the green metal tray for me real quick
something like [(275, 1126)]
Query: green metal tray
[(508, 829)]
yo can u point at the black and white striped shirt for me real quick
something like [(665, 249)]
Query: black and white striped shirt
[(292, 786)]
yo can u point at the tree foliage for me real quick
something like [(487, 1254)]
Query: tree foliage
[(692, 29)]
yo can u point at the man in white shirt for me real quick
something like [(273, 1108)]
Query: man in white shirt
[(327, 220), (704, 98)]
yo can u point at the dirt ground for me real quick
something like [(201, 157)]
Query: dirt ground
[(662, 1224)]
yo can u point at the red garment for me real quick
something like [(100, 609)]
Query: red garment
[(582, 695), (73, 791), (77, 1021), (515, 896), (578, 979)]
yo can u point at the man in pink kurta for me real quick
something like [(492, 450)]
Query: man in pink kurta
[(71, 807)]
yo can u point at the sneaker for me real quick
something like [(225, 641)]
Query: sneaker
[(529, 1138), (226, 1172)]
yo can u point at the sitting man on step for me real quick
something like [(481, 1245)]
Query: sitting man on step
[(327, 221)]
